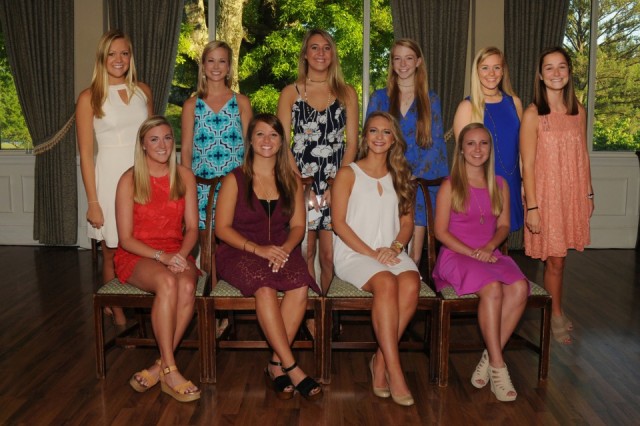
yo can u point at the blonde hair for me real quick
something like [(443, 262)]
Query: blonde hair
[(396, 161), (141, 177), (460, 182), (100, 79), (286, 180), (203, 90), (421, 84), (477, 97), (335, 79)]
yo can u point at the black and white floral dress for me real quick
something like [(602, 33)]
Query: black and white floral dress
[(318, 147)]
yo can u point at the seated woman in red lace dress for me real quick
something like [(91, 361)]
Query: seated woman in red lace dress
[(260, 220), (157, 219)]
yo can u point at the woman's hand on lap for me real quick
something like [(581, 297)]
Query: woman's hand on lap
[(387, 256)]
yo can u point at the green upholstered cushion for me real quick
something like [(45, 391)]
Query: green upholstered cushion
[(342, 289), (115, 287), (449, 294), (224, 289)]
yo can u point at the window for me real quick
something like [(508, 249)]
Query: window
[(271, 42), (611, 96), (13, 128)]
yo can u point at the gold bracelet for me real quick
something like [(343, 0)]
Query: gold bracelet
[(397, 246), (156, 256), (244, 246), (94, 201)]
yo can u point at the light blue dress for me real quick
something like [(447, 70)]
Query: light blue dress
[(426, 163), (218, 146)]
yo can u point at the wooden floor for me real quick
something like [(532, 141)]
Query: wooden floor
[(47, 365)]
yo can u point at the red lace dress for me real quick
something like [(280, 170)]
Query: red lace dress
[(158, 224)]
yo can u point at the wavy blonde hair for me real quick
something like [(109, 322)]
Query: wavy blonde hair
[(396, 161), (421, 85), (141, 177), (100, 79), (460, 181), (477, 97), (286, 180), (335, 79), (203, 90)]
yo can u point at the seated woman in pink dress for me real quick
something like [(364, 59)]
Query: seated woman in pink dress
[(472, 220), (260, 220), (157, 219)]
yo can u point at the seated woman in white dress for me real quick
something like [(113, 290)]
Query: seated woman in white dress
[(373, 218)]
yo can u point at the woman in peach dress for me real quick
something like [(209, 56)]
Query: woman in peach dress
[(557, 177)]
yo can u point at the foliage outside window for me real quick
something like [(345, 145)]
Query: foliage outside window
[(617, 98), (14, 134), (271, 41)]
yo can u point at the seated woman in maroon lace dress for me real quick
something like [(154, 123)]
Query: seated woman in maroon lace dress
[(157, 219), (260, 220)]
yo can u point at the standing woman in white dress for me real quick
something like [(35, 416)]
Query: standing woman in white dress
[(113, 108), (322, 112), (373, 202)]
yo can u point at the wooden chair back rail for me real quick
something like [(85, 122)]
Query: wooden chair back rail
[(449, 307), (215, 303)]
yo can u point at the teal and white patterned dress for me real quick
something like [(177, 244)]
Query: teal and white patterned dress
[(218, 146)]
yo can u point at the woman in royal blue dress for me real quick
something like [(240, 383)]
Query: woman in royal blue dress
[(494, 103), (407, 97)]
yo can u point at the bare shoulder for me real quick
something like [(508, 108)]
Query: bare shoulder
[(345, 175), (530, 114), (190, 103), (126, 178), (85, 96), (145, 88), (186, 173)]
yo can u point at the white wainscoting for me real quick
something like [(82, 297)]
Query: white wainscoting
[(616, 183)]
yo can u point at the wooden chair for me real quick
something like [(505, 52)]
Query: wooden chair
[(223, 297), (345, 297), (451, 304), (115, 293)]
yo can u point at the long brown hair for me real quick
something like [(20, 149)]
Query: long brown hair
[(460, 188), (540, 90), (141, 177), (397, 164), (421, 85), (335, 79), (100, 78), (286, 180)]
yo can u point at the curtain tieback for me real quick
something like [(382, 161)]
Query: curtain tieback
[(49, 144)]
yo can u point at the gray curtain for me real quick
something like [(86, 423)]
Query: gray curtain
[(529, 28), (154, 28), (39, 41), (440, 28)]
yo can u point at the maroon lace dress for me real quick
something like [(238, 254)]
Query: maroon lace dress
[(249, 272), (158, 224)]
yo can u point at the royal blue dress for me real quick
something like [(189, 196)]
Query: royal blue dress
[(426, 163), (501, 119)]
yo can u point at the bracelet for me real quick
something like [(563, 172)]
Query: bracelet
[(532, 208), (244, 246), (96, 201), (254, 249), (397, 246), (590, 196), (156, 256)]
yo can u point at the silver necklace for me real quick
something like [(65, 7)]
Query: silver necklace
[(495, 145), (478, 204)]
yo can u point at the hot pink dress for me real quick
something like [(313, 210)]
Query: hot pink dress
[(562, 186), (465, 274), (157, 224)]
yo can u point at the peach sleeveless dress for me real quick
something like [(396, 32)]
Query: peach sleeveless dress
[(562, 184)]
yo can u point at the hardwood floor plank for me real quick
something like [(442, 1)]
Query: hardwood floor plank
[(48, 369)]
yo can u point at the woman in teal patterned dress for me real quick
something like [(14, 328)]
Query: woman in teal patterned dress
[(214, 122)]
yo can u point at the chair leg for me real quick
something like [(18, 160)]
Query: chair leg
[(327, 332), (545, 341), (443, 351), (433, 344), (98, 322), (203, 341), (318, 347), (212, 340)]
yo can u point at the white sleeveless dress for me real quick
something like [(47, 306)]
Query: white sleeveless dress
[(375, 219), (116, 134)]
